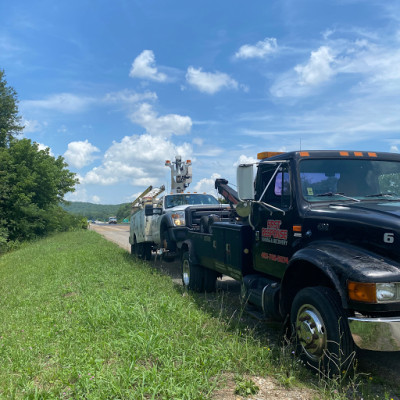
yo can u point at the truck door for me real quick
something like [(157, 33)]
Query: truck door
[(272, 218)]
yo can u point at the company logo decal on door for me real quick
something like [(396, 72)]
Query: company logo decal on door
[(273, 234)]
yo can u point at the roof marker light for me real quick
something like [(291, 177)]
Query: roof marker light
[(358, 154), (372, 154), (344, 153), (268, 154)]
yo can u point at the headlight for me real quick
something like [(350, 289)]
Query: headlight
[(178, 218), (374, 292), (386, 292)]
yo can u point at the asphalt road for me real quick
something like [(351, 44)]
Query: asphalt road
[(386, 365)]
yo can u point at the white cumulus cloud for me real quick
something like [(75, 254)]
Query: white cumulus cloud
[(80, 154), (42, 146), (165, 125), (261, 49), (245, 160), (138, 160), (318, 69), (209, 82), (144, 67), (207, 185)]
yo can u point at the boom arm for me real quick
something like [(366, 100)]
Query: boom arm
[(226, 191)]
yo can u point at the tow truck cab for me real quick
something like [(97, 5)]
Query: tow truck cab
[(316, 242)]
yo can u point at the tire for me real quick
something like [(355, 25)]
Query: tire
[(169, 245), (210, 279), (166, 241), (192, 274), (321, 330), (134, 248), (146, 251)]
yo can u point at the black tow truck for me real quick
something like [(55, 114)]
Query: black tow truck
[(315, 242)]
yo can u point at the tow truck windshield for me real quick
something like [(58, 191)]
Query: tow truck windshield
[(349, 180), (174, 200)]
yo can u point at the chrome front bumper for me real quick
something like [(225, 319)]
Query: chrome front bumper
[(379, 334)]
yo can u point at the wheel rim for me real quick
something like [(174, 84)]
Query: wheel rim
[(311, 332), (185, 272)]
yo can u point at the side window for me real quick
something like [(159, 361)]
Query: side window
[(282, 189), (278, 193)]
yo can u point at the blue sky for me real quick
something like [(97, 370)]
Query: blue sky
[(117, 87)]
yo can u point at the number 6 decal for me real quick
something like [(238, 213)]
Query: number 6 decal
[(388, 237)]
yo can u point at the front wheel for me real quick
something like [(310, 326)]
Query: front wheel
[(321, 330), (146, 251), (169, 245), (192, 274)]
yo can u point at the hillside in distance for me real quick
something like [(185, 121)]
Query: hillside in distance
[(99, 212)]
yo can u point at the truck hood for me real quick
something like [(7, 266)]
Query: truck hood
[(368, 211), (197, 206), (374, 225), (177, 208)]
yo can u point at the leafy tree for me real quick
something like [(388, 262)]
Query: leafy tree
[(33, 183), (9, 119), (124, 211)]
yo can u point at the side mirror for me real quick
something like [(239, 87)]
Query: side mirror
[(148, 210), (245, 182)]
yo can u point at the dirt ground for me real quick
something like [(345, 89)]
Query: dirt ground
[(384, 365)]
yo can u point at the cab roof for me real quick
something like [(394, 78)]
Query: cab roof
[(318, 154)]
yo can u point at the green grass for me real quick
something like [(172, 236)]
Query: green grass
[(80, 319)]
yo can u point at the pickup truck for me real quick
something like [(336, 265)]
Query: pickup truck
[(316, 244), (164, 226)]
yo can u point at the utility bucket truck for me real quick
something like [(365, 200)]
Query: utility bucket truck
[(161, 224), (315, 244)]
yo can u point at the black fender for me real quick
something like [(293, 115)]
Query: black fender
[(166, 221), (188, 245), (332, 264)]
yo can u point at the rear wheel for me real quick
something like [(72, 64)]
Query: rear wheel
[(192, 274), (323, 338), (134, 248), (210, 279)]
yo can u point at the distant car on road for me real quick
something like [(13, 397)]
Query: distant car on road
[(112, 220)]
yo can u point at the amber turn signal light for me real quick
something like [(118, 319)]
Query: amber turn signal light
[(365, 292)]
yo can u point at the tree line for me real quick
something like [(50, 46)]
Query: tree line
[(33, 183), (99, 212)]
